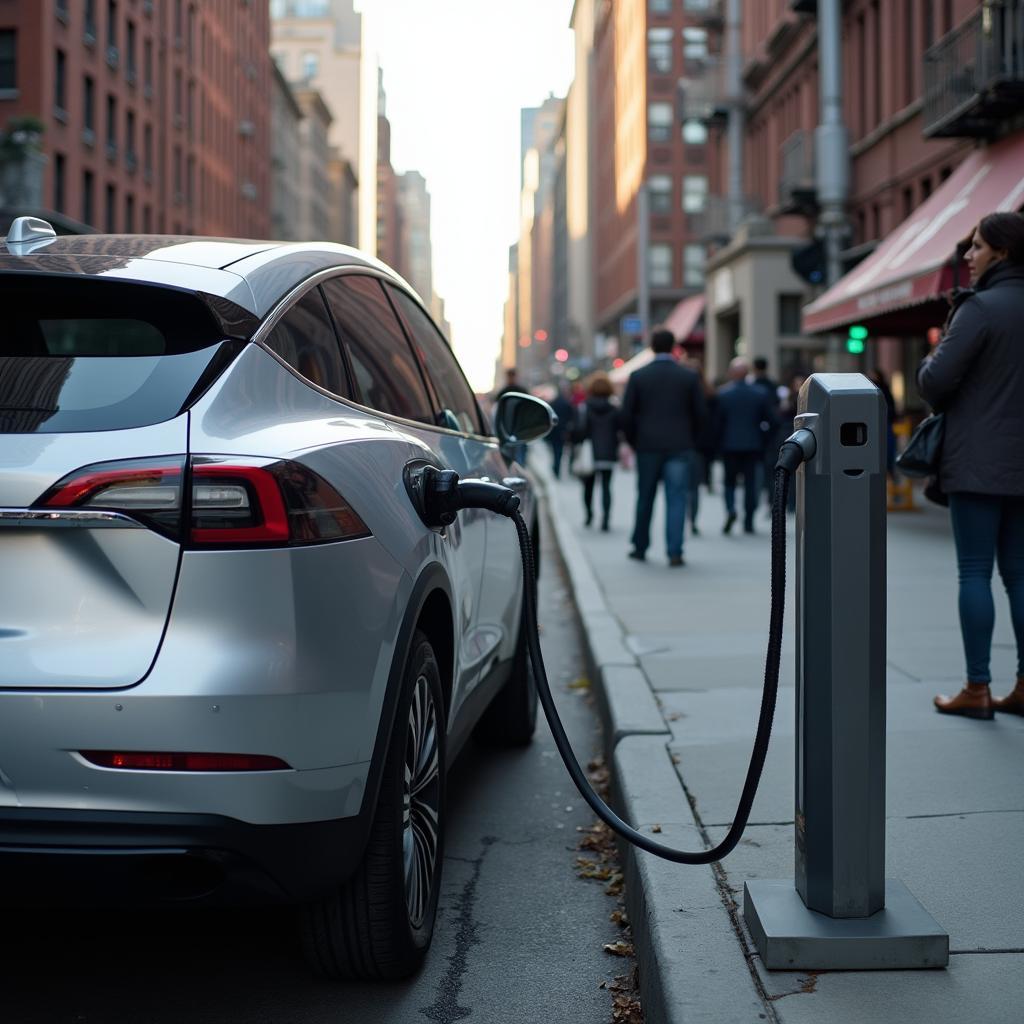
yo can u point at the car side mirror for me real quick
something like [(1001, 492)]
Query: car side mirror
[(519, 419)]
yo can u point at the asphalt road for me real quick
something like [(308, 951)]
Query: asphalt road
[(519, 936)]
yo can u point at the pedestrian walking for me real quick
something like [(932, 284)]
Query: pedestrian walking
[(562, 430), (662, 414), (703, 455), (744, 417), (975, 377), (760, 379), (597, 425)]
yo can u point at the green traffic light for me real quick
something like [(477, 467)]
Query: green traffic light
[(858, 333), (855, 346)]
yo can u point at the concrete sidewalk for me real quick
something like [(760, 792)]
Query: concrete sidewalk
[(679, 658)]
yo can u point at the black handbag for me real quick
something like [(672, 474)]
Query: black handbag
[(923, 453)]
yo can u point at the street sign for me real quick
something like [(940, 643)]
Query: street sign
[(632, 324)]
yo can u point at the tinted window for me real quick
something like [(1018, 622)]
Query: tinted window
[(86, 355), (385, 370), (452, 390), (304, 338)]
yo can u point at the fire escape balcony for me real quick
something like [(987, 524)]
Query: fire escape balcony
[(798, 187), (713, 225), (704, 97), (974, 76)]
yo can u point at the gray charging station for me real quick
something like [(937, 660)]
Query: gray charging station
[(841, 912)]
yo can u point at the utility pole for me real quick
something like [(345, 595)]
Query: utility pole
[(643, 235), (832, 153), (734, 99)]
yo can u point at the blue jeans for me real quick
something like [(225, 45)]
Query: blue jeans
[(987, 529), (651, 469)]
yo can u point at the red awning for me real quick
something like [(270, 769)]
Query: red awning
[(685, 317), (914, 264)]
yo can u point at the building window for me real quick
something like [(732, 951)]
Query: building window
[(908, 202), (130, 55), (179, 102), (659, 50), (129, 138), (694, 259), (89, 105), (62, 10), (697, 5), (147, 149), (661, 6), (110, 213), (659, 122), (789, 314), (147, 219), (59, 172), (60, 86), (659, 265), (926, 188), (111, 22), (8, 58), (659, 189), (695, 133), (129, 214), (88, 184), (147, 64), (310, 66), (695, 50), (90, 19), (111, 120), (695, 193)]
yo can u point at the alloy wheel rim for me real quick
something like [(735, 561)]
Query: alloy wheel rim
[(421, 796)]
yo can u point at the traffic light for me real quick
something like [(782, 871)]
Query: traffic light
[(808, 262), (855, 339)]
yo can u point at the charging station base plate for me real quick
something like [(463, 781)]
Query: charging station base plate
[(790, 937)]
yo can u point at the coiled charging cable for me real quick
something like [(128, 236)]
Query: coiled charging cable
[(793, 452)]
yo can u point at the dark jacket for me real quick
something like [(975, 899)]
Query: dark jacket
[(598, 420), (563, 409), (663, 408), (743, 417), (976, 377)]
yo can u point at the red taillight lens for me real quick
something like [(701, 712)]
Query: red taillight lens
[(240, 501), (233, 501), (184, 762), (145, 489)]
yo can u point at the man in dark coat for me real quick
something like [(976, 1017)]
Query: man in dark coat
[(744, 418), (760, 379), (562, 408), (662, 414)]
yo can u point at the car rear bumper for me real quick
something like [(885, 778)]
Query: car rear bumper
[(121, 859)]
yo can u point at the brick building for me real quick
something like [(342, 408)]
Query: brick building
[(641, 50), (902, 62), (156, 112)]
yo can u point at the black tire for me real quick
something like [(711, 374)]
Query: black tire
[(378, 925), (511, 718)]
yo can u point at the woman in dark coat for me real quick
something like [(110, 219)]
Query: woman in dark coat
[(976, 377), (598, 422)]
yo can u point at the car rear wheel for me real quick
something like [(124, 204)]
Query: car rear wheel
[(379, 924)]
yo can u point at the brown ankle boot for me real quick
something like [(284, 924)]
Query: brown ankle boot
[(973, 701), (1013, 702)]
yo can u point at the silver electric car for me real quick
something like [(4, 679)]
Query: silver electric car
[(235, 663)]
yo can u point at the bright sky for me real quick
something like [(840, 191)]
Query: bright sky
[(456, 75)]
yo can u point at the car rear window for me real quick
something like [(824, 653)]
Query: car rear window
[(83, 355)]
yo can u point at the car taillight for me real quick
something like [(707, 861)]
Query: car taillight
[(232, 500), (150, 761), (252, 501), (145, 489)]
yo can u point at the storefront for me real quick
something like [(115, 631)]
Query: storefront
[(898, 292)]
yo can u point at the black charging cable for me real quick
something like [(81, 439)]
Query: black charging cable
[(795, 450)]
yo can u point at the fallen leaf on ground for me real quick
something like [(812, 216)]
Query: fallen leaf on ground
[(619, 917), (655, 828), (619, 948), (580, 684)]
